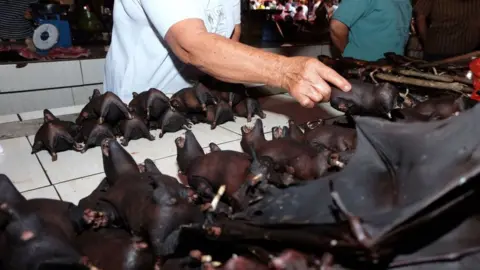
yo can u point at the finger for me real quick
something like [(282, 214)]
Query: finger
[(314, 94), (322, 88), (305, 101), (333, 77)]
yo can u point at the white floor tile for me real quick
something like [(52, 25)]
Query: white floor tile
[(164, 147), (75, 190), (8, 118), (71, 164), (20, 166), (55, 111), (42, 193), (168, 166)]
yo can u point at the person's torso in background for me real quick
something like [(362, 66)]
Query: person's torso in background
[(138, 58), (453, 29), (383, 28), (13, 24), (305, 10)]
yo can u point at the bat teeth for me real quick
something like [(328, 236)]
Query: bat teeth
[(247, 128)]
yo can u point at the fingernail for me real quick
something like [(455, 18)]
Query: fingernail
[(347, 87)]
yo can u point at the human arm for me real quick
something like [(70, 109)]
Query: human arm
[(339, 34), (237, 31), (422, 11), (232, 61), (346, 15)]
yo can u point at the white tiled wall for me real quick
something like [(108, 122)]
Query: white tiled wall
[(40, 76), (92, 70), (48, 85)]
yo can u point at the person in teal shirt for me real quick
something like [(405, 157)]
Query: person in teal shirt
[(366, 29)]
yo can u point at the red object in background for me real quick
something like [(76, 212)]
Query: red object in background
[(475, 68)]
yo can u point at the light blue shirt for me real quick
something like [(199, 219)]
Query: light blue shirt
[(376, 27)]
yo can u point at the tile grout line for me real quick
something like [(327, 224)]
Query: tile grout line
[(44, 171), (77, 178), (230, 130), (33, 189), (73, 96), (58, 193), (81, 71)]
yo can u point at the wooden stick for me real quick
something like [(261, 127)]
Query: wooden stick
[(455, 59), (424, 75), (454, 86), (460, 79)]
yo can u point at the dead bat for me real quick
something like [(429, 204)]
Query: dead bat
[(171, 121), (248, 108), (106, 107), (215, 115), (193, 99), (366, 99), (55, 136), (92, 133), (149, 105), (134, 129), (399, 182)]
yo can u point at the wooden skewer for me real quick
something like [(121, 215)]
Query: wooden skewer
[(424, 75), (453, 86), (455, 59), (217, 197)]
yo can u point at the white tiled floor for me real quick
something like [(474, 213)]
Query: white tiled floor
[(8, 118), (44, 193), (23, 168), (75, 175), (73, 191)]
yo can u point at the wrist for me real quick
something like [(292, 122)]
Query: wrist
[(278, 72)]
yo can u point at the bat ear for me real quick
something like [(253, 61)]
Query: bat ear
[(95, 93), (151, 167), (214, 147), (135, 94), (48, 116)]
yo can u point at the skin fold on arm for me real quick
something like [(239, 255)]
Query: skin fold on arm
[(339, 34)]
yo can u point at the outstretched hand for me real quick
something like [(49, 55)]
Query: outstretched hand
[(305, 79)]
